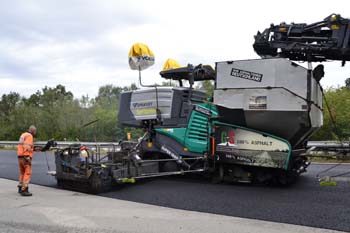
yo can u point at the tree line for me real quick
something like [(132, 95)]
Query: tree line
[(58, 114), (336, 114)]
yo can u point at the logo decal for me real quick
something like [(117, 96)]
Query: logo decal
[(246, 75), (142, 105)]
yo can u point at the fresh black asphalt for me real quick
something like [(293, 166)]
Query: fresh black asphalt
[(305, 203)]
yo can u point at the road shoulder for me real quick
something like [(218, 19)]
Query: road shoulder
[(54, 210)]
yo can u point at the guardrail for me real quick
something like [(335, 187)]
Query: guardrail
[(317, 144), (331, 146), (96, 146), (62, 143), (325, 144), (313, 146)]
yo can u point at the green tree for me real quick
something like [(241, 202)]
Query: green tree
[(207, 86), (132, 87), (8, 108), (8, 104), (57, 114), (347, 82), (339, 103)]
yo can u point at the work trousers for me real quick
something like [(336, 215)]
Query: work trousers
[(25, 171)]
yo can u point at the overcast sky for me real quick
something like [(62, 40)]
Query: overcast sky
[(84, 44)]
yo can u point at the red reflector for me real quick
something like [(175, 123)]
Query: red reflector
[(231, 135), (212, 146)]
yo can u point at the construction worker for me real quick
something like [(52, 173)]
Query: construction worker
[(25, 154)]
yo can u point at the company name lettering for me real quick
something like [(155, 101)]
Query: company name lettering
[(246, 75), (141, 105), (167, 151)]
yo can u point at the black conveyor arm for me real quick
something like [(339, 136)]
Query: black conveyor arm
[(325, 40)]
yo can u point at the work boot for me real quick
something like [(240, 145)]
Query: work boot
[(26, 193), (19, 188)]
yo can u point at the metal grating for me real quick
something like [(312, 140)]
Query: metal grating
[(198, 127)]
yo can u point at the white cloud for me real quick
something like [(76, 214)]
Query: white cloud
[(84, 44)]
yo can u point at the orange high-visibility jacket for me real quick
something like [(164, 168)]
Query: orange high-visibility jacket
[(26, 145)]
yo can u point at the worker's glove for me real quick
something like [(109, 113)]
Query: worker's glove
[(53, 143), (50, 143)]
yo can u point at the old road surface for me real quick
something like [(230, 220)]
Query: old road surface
[(305, 203)]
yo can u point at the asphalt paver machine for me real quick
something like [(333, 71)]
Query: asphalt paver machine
[(254, 128)]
